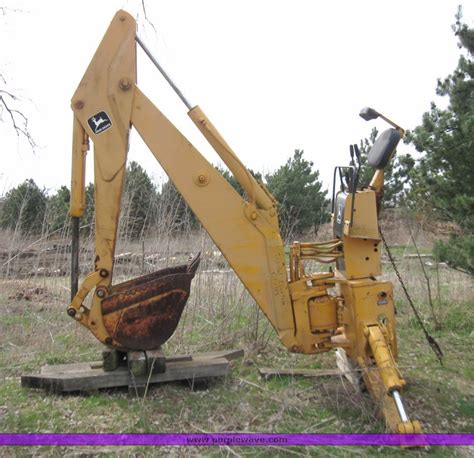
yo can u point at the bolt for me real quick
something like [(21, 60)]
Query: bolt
[(125, 84), (71, 311), (253, 215), (100, 293), (202, 178), (103, 273), (79, 105), (272, 212), (122, 18)]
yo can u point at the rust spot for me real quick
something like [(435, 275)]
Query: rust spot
[(142, 314)]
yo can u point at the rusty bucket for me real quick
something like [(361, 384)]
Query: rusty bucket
[(142, 314)]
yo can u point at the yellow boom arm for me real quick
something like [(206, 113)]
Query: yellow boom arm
[(247, 233)]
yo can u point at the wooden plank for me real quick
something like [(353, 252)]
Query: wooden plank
[(227, 354), (173, 359), (167, 359), (270, 372), (411, 256), (83, 378), (349, 369), (73, 367), (90, 376), (70, 368)]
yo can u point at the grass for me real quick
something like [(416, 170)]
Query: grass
[(220, 314)]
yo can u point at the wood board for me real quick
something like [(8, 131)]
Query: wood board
[(90, 376), (267, 372)]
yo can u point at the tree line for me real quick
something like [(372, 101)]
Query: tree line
[(303, 204)]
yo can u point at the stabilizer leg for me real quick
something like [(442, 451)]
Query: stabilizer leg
[(384, 383)]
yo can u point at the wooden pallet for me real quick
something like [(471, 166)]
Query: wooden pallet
[(90, 377), (267, 372)]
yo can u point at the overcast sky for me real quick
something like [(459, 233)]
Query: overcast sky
[(271, 75)]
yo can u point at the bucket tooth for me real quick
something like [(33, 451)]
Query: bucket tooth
[(143, 313)]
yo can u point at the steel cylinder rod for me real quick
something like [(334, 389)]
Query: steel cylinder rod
[(398, 402), (163, 72), (74, 255)]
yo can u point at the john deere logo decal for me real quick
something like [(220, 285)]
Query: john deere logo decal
[(99, 122)]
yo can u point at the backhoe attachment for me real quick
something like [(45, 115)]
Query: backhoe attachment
[(347, 308)]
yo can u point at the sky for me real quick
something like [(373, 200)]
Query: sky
[(272, 75)]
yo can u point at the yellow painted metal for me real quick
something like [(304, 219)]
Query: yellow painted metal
[(384, 359), (364, 220), (366, 302), (257, 195), (323, 252), (376, 183), (361, 240), (311, 333), (80, 142), (248, 236), (361, 258), (388, 379), (311, 312), (107, 86), (409, 427), (385, 402), (77, 310), (322, 312)]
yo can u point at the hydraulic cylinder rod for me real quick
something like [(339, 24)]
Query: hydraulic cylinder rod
[(254, 191), (398, 402), (163, 72), (74, 255)]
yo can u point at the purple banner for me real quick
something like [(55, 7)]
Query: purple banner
[(236, 439)]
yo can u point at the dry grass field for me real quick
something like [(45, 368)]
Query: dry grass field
[(220, 314)]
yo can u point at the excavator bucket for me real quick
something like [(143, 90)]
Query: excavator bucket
[(142, 314)]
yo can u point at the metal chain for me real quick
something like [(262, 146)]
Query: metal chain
[(432, 342)]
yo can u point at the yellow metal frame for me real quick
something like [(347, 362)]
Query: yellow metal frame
[(311, 313)]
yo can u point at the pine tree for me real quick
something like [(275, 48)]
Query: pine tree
[(24, 208), (297, 188), (57, 213), (138, 202), (443, 180)]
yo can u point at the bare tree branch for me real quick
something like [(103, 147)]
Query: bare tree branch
[(18, 119), (9, 102), (146, 16), (5, 9)]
